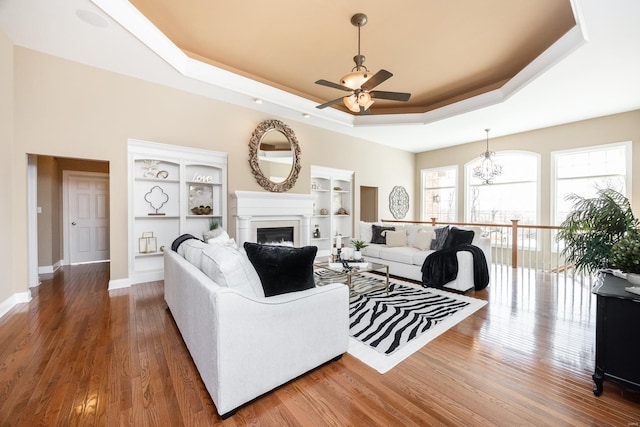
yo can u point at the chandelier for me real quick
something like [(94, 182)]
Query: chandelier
[(486, 171)]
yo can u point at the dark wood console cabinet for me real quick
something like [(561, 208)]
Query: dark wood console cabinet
[(617, 334)]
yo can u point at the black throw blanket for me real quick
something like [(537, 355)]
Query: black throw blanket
[(441, 267)]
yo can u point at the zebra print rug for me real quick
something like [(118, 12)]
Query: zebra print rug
[(386, 329)]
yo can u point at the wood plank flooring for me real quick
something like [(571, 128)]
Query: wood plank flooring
[(80, 355)]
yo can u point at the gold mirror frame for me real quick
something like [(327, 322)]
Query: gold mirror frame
[(254, 147)]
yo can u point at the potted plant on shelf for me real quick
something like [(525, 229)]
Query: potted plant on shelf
[(593, 226), (358, 245), (214, 230), (625, 256)]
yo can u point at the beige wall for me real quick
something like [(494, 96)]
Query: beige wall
[(8, 286), (602, 130), (67, 109)]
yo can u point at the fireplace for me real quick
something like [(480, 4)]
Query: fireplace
[(254, 210), (275, 235)]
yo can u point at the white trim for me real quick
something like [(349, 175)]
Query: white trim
[(119, 284), (32, 220), (66, 230), (9, 303)]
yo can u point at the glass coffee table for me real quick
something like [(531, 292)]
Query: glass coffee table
[(352, 273)]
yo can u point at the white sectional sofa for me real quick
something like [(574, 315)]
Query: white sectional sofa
[(243, 343), (406, 260)]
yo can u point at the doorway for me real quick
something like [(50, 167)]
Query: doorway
[(85, 216), (47, 200), (368, 204)]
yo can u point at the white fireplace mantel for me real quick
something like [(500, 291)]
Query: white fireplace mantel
[(251, 207)]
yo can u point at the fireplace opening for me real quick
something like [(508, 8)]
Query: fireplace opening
[(275, 236)]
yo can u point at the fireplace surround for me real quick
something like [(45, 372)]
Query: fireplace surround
[(254, 209)]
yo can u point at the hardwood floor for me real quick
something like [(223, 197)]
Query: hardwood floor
[(80, 355)]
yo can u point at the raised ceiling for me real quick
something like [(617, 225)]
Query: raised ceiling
[(439, 51), (593, 70)]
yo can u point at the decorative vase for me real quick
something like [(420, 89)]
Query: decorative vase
[(633, 278), (357, 255)]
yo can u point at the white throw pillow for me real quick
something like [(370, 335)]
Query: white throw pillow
[(228, 265), (423, 239), (366, 233), (220, 238), (191, 250), (395, 238)]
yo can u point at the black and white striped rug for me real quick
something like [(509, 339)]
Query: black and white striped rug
[(386, 329)]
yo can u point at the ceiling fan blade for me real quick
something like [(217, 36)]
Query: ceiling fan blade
[(333, 85), (394, 96), (377, 78), (330, 103)]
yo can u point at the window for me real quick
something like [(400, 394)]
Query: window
[(439, 194), (513, 195), (584, 170)]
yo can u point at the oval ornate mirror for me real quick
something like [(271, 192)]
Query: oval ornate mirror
[(274, 156)]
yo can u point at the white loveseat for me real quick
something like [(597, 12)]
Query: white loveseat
[(242, 343), (406, 260)]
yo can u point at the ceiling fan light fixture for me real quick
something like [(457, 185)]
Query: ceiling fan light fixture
[(351, 102), (355, 79)]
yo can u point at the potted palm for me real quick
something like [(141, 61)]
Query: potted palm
[(625, 256), (358, 245), (593, 226)]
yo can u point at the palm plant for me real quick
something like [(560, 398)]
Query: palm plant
[(593, 226)]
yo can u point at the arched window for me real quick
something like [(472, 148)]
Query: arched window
[(582, 171), (439, 194), (513, 195)]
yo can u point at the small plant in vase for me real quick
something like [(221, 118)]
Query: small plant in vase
[(214, 230), (358, 245), (625, 256)]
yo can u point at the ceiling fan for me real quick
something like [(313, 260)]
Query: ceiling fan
[(360, 82)]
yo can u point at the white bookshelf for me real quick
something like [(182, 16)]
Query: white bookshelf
[(331, 189), (173, 190)]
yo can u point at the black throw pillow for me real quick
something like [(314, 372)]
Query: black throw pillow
[(377, 236), (441, 237), (180, 240), (282, 269), (457, 237)]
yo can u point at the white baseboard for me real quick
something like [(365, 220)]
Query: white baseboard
[(50, 269), (119, 284), (14, 299)]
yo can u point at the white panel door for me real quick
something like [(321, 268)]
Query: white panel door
[(88, 218)]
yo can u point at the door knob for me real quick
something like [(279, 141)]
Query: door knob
[(73, 223)]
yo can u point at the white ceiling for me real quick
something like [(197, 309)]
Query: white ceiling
[(594, 70)]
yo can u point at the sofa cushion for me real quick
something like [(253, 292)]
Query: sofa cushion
[(373, 250), (191, 250), (420, 256), (377, 236), (403, 254), (282, 269), (440, 238), (366, 233), (457, 237), (395, 238), (228, 265), (423, 240)]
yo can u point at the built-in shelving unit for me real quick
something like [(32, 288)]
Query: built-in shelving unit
[(332, 191), (173, 190)]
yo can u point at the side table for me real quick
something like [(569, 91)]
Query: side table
[(617, 343)]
